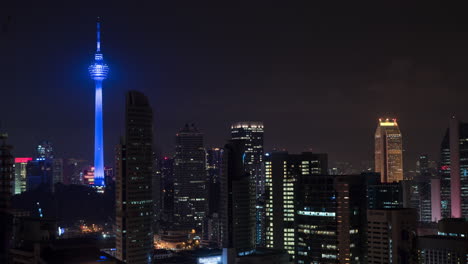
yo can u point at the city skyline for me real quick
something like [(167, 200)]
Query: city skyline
[(320, 103), (234, 134)]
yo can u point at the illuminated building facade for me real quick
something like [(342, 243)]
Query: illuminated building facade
[(20, 174), (237, 209), (453, 170), (391, 236), (190, 195), (282, 172), (389, 151), (45, 150), (330, 219), (134, 194), (98, 72)]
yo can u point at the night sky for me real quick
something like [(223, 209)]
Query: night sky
[(317, 76)]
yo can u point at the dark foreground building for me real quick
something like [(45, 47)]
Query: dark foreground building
[(134, 196), (449, 246), (6, 182)]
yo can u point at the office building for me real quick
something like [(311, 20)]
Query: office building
[(167, 185), (20, 174), (449, 246), (39, 175), (391, 236), (45, 150), (57, 167), (214, 163), (330, 219), (385, 195), (134, 194), (282, 172), (251, 133), (190, 192), (98, 72), (453, 170), (389, 151), (237, 209)]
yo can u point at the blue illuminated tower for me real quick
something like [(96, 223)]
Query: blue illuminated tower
[(98, 72)]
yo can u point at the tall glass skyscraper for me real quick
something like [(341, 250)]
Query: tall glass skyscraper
[(98, 72), (134, 183), (389, 151), (453, 170), (190, 194), (250, 134)]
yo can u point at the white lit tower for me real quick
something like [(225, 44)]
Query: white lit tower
[(98, 72)]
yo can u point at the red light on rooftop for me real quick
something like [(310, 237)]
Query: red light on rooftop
[(22, 160)]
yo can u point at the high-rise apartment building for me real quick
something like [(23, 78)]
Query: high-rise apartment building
[(251, 133), (282, 172), (237, 208), (391, 236), (389, 151), (20, 174), (134, 195), (453, 170), (190, 192)]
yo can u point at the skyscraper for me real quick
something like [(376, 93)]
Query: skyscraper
[(330, 219), (453, 170), (251, 134), (214, 163), (190, 192), (237, 203), (98, 72), (282, 172), (389, 151), (166, 165), (134, 196)]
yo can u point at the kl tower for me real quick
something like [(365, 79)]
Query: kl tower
[(98, 72)]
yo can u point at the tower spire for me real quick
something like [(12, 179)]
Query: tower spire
[(98, 35)]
